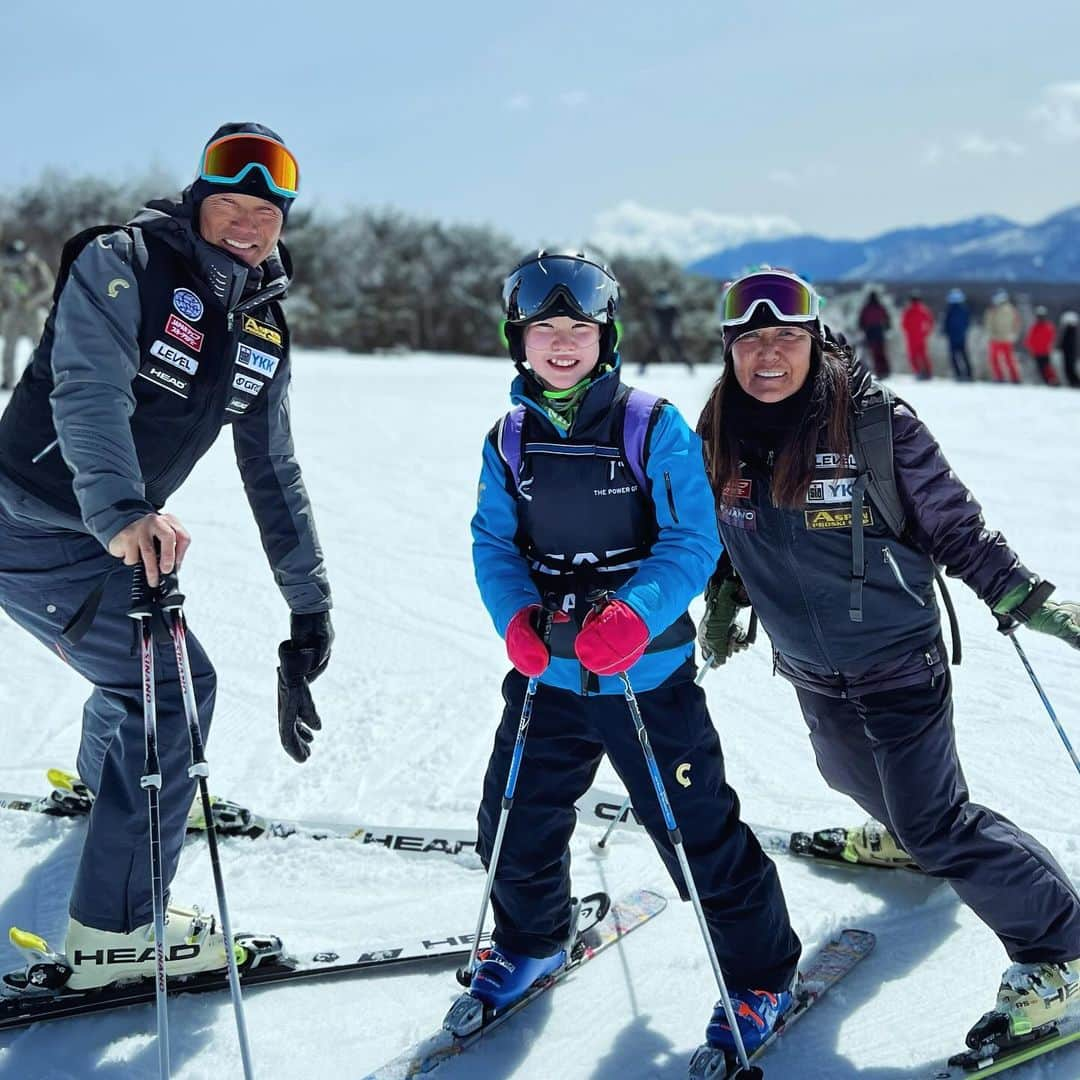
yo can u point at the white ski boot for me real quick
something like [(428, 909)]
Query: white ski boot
[(874, 844), (1034, 995)]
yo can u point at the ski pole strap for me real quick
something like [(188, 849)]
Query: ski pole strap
[(858, 548), (954, 622), (1009, 620), (83, 619)]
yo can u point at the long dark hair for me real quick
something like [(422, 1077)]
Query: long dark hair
[(826, 413)]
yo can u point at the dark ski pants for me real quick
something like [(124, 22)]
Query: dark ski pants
[(961, 363), (44, 577), (567, 736), (895, 754)]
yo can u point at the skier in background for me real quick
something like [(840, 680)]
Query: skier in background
[(1002, 328), (26, 283), (1039, 343), (665, 313), (1067, 343), (540, 514), (954, 324), (918, 324), (861, 641), (163, 332), (874, 322)]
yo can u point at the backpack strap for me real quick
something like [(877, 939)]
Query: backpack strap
[(872, 442), (640, 413), (74, 247), (509, 440)]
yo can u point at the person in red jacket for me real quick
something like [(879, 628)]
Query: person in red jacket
[(918, 324), (1039, 342)]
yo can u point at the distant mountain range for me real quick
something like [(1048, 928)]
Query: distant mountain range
[(985, 248)]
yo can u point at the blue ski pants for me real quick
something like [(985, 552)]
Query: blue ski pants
[(740, 891), (45, 575), (894, 753)]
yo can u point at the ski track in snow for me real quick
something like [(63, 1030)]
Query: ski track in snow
[(391, 455)]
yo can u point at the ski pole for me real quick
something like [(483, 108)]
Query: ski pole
[(1011, 635), (142, 610), (746, 1070), (751, 637), (172, 603), (464, 975), (599, 847)]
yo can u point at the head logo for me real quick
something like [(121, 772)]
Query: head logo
[(188, 304), (682, 774), (116, 285)]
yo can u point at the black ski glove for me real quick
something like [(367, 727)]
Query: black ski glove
[(301, 660)]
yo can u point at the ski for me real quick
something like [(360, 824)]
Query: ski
[(625, 916), (70, 798), (265, 961), (824, 969), (599, 807), (994, 1058)]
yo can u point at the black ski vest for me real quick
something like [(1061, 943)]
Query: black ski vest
[(585, 523), (200, 368)]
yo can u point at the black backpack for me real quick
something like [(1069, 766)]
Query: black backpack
[(872, 444)]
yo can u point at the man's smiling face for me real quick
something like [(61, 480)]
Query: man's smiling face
[(245, 226)]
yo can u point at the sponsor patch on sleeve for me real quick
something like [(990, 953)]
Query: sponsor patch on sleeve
[(238, 405), (177, 328), (257, 360), (260, 329), (172, 355), (838, 518)]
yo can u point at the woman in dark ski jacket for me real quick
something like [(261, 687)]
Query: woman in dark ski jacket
[(860, 636)]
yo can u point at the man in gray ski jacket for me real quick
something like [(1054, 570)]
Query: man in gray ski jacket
[(161, 332)]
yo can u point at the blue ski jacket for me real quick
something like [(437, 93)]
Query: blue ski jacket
[(676, 532)]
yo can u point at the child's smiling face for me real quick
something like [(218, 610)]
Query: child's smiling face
[(561, 350)]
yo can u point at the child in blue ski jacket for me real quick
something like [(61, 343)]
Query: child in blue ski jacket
[(591, 488)]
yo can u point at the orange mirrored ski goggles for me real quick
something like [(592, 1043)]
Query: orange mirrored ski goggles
[(229, 159)]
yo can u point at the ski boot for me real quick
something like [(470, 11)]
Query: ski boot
[(69, 797), (757, 1012), (230, 819), (871, 844), (1031, 999), (97, 958), (501, 978)]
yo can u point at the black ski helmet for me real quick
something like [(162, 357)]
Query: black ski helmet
[(548, 283)]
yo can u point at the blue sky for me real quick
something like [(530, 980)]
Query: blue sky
[(540, 118)]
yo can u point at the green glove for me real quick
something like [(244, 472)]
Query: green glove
[(1062, 620), (719, 635)]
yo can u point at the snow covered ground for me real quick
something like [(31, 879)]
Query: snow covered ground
[(391, 451)]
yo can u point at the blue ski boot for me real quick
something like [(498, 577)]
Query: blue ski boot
[(757, 1013), (503, 976)]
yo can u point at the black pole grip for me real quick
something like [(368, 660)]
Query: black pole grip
[(142, 596)]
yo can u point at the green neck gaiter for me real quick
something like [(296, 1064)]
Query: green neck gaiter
[(562, 405)]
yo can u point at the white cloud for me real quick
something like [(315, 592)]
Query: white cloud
[(633, 229), (981, 146), (1058, 114), (518, 103)]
